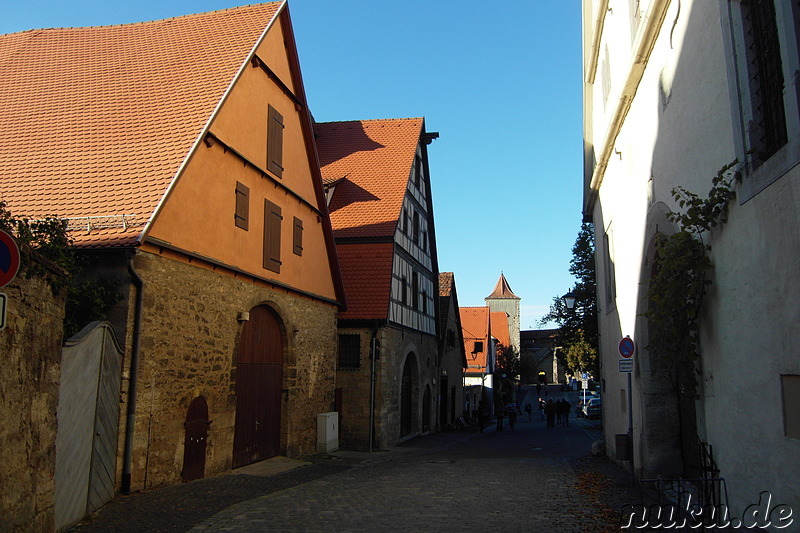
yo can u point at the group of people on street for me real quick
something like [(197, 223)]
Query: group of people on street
[(556, 412)]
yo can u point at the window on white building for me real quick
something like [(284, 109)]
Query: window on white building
[(762, 43)]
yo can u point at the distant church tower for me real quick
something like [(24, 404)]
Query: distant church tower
[(502, 299)]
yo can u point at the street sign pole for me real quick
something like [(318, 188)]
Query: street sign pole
[(626, 349)]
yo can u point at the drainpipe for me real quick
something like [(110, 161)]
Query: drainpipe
[(132, 377), (373, 367)]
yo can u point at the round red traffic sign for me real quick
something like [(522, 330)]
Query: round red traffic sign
[(626, 347), (9, 258)]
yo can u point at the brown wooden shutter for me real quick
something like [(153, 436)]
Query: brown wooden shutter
[(272, 236), (298, 236), (242, 214), (275, 142)]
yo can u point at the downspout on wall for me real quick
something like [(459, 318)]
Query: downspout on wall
[(132, 377)]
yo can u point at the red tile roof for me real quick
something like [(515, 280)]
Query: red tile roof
[(500, 328), (373, 160), (445, 283), (367, 276), (475, 327), (97, 121)]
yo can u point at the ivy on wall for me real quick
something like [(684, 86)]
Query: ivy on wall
[(680, 276), (87, 300)]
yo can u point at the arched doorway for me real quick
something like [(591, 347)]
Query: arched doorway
[(194, 442), (408, 403), (259, 377)]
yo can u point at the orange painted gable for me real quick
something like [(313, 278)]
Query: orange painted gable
[(97, 121), (139, 134)]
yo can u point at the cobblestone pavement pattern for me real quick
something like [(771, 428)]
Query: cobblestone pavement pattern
[(531, 479)]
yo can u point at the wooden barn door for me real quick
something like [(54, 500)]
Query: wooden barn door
[(194, 442), (259, 377)]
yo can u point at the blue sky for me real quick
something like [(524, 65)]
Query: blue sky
[(500, 82)]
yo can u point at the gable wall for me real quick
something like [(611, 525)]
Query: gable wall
[(198, 216)]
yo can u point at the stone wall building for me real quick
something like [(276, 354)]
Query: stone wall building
[(452, 359), (194, 184), (379, 193)]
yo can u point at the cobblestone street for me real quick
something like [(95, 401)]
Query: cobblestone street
[(529, 479)]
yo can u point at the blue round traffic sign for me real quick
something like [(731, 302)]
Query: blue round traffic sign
[(626, 347), (9, 258)]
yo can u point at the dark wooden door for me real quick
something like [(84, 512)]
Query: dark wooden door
[(259, 376), (406, 399), (194, 443), (443, 410)]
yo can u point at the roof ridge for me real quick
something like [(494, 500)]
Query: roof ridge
[(371, 120), (140, 22)]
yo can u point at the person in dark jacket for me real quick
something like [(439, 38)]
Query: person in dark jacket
[(550, 412), (511, 411), (499, 413)]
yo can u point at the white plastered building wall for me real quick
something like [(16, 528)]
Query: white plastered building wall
[(662, 109)]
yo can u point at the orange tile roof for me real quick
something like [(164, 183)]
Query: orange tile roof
[(445, 283), (367, 275), (500, 328), (373, 160), (97, 121)]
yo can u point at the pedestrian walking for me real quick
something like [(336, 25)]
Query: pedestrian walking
[(528, 410), (550, 412), (499, 413), (541, 408), (511, 411), (559, 412)]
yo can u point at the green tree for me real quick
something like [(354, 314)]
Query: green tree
[(87, 300), (507, 361), (577, 328)]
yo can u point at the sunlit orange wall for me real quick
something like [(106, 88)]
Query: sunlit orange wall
[(198, 216)]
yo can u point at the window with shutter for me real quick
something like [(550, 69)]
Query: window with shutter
[(298, 236), (272, 236), (242, 213), (414, 290), (275, 142), (415, 228)]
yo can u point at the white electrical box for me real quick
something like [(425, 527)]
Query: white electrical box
[(327, 432)]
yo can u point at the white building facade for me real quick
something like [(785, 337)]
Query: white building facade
[(674, 91)]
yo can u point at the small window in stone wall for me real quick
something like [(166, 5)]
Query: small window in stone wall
[(349, 352), (791, 405)]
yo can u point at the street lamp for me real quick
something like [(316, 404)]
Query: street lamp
[(569, 300)]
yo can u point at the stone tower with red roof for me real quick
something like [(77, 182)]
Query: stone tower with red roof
[(504, 300)]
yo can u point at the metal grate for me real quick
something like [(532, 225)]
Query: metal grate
[(768, 132)]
